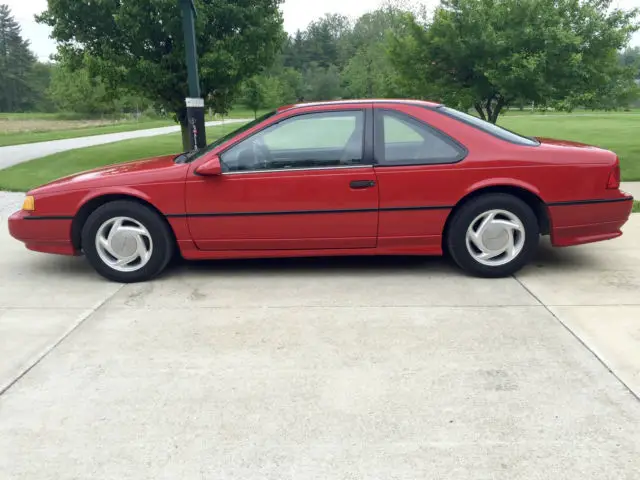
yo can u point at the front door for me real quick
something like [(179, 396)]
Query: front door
[(303, 183)]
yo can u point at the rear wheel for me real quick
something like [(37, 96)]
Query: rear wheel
[(494, 235), (127, 242)]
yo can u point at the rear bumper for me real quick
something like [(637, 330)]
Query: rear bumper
[(42, 234), (586, 222)]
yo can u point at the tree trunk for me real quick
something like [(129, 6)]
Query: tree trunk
[(478, 108), (489, 110), (496, 110)]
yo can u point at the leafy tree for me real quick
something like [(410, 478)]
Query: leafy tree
[(322, 83), (322, 43), (291, 84), (16, 62), (631, 58), (75, 90), (369, 71), (487, 54), (139, 45), (39, 79), (262, 91)]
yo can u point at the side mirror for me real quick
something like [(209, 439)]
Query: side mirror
[(210, 167)]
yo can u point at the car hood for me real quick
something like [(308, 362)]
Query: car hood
[(137, 172)]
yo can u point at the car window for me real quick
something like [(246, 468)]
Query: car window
[(489, 128), (327, 139), (407, 141)]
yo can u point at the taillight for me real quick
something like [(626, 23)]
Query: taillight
[(613, 182)]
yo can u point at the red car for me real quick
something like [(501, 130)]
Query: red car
[(384, 177)]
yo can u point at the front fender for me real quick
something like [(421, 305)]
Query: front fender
[(113, 191)]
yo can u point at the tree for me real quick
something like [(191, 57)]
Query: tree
[(321, 43), (261, 91), (139, 45), (322, 83), (39, 79), (369, 72), (631, 58), (487, 54), (75, 90), (16, 62), (291, 84)]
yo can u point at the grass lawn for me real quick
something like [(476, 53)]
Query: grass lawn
[(615, 131), (36, 172), (22, 128), (636, 206), (20, 138)]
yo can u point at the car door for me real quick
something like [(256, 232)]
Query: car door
[(304, 182), (413, 164)]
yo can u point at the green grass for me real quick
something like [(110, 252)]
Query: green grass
[(578, 112), (618, 132), (21, 138), (36, 172), (636, 206), (41, 116), (44, 129)]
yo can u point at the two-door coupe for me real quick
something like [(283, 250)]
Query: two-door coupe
[(369, 177)]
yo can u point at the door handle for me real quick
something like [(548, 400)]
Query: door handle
[(358, 184)]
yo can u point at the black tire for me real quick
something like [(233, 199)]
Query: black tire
[(456, 236), (163, 243)]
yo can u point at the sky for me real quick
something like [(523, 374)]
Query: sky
[(297, 15)]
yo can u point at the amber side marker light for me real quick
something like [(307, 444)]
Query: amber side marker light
[(29, 204)]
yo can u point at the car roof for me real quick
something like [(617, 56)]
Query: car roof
[(422, 103)]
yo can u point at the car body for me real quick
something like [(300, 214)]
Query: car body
[(368, 177)]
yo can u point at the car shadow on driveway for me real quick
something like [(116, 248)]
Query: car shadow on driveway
[(547, 257), (574, 258), (313, 265)]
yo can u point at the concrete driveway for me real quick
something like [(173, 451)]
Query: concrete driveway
[(381, 368), (15, 154)]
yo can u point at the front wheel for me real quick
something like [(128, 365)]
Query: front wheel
[(127, 242), (494, 235)]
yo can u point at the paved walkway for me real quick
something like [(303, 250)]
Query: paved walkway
[(633, 188), (16, 154), (323, 368), (9, 203)]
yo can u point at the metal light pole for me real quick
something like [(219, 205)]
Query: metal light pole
[(195, 102)]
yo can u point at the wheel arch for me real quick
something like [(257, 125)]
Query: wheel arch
[(527, 195), (91, 204)]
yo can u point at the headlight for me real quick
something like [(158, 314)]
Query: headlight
[(29, 203)]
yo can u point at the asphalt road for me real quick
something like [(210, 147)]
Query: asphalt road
[(376, 368), (16, 154)]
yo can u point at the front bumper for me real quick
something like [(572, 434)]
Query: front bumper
[(42, 234)]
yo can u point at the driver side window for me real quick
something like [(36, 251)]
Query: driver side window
[(314, 140)]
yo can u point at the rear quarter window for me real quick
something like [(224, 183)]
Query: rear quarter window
[(488, 127)]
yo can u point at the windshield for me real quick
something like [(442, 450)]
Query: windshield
[(230, 135), (488, 127)]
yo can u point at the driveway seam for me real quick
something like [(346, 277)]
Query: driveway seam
[(47, 350), (583, 343)]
